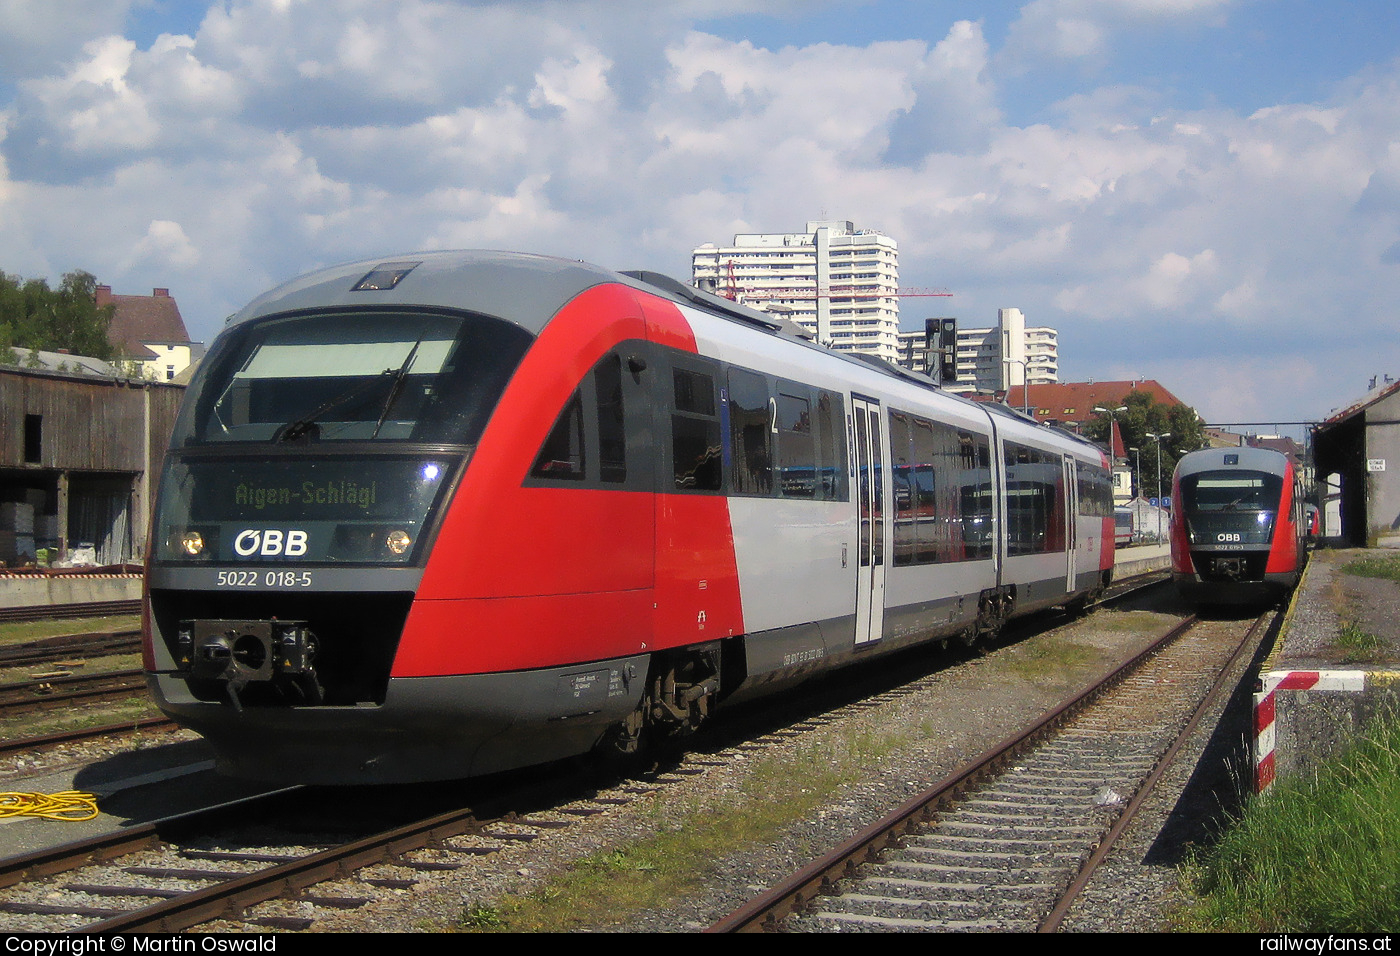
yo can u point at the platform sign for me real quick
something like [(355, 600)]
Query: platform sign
[(1375, 464)]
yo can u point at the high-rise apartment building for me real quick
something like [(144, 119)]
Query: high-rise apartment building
[(839, 283), (1005, 356)]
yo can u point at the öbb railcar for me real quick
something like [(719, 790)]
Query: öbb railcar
[(454, 513), (1238, 526)]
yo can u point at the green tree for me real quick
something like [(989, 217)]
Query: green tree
[(36, 317), (1145, 416)]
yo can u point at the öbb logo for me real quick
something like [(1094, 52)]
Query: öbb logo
[(270, 543)]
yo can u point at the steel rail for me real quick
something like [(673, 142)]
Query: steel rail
[(49, 612), (230, 898), (765, 910), (86, 688), (55, 740), (109, 846), (59, 647), (1056, 917)]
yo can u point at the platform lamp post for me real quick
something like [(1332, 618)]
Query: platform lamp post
[(1158, 440), (1110, 412), (1108, 442), (1025, 382)]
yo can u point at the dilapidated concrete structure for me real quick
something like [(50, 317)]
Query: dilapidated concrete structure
[(1357, 454)]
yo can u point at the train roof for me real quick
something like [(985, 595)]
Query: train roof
[(527, 290), (1242, 457), (523, 289)]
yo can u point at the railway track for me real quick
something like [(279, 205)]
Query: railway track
[(51, 612), (57, 741), (284, 881), (1008, 840), (52, 692), (279, 861), (63, 647)]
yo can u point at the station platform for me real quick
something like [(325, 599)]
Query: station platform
[(1335, 664), (1141, 559), (41, 590)]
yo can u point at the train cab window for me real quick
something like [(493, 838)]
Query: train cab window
[(697, 455), (356, 376), (750, 429), (561, 457)]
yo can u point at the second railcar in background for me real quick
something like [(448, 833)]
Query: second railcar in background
[(1238, 527)]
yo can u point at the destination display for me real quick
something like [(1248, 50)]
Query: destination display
[(331, 510)]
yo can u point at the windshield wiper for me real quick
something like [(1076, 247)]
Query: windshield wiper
[(298, 427), (397, 387)]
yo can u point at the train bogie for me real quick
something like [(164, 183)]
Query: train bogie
[(459, 512)]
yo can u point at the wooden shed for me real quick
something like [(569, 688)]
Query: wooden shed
[(79, 458)]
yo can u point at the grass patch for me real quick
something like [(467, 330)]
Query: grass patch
[(1358, 643), (693, 833), (1387, 567), (1318, 854), (1048, 657)]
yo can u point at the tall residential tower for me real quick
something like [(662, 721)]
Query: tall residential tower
[(839, 283)]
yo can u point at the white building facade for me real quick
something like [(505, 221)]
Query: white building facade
[(994, 359), (839, 283)]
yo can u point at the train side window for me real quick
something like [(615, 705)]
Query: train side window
[(797, 453), (696, 446), (1095, 491), (1035, 500), (831, 447), (975, 495), (561, 456), (929, 492), (751, 422), (929, 485), (902, 475), (612, 435)]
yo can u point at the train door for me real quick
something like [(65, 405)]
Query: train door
[(870, 563), (1071, 521)]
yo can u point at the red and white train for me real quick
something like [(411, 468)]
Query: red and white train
[(454, 513), (1239, 526)]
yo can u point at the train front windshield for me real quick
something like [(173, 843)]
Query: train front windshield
[(1231, 507), (329, 437)]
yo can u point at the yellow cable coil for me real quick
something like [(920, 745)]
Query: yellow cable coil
[(72, 806)]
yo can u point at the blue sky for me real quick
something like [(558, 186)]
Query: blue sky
[(1204, 192)]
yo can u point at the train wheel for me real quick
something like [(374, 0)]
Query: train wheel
[(683, 690), (677, 700), (624, 738)]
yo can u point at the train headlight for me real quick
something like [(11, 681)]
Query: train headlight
[(398, 541), (192, 543)]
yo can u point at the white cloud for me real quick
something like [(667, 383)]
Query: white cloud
[(35, 41), (166, 244), (282, 136), (1085, 29)]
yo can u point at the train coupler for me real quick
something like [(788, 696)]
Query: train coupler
[(278, 654)]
